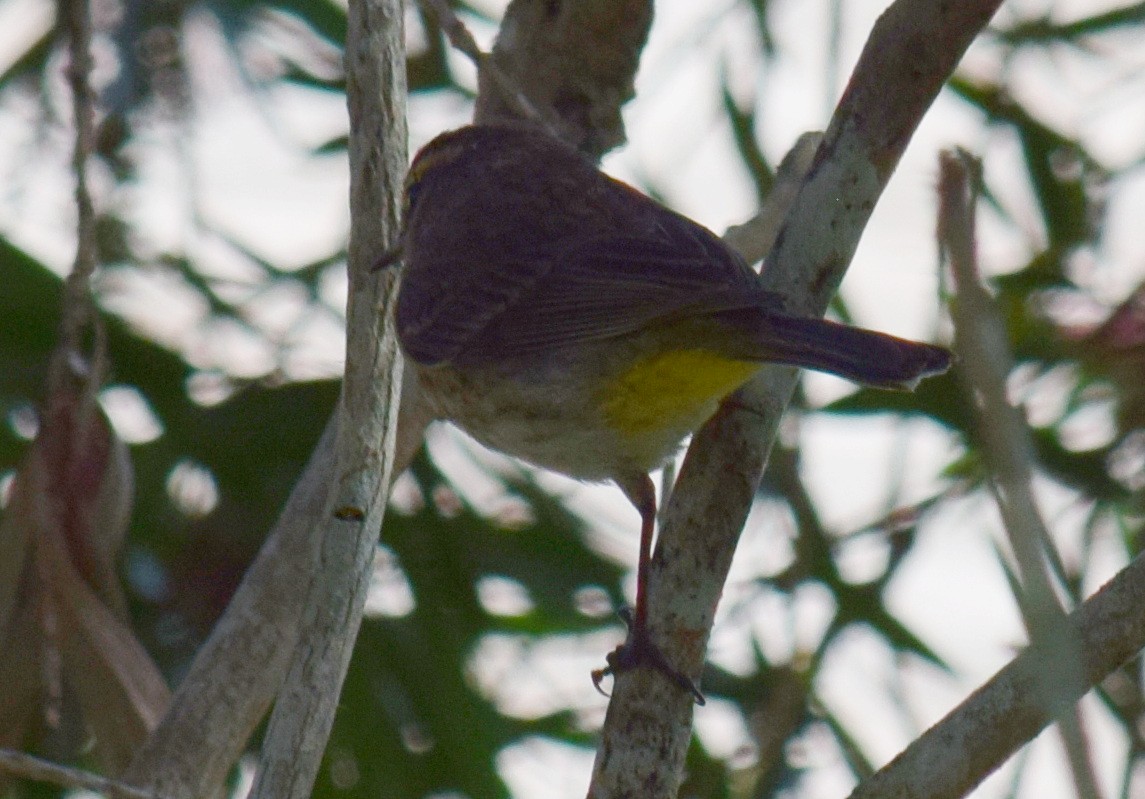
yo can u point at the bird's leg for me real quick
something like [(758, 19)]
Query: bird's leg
[(645, 502), (638, 649)]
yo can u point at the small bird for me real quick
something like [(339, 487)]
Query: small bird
[(560, 316)]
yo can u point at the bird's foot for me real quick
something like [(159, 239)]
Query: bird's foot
[(638, 650)]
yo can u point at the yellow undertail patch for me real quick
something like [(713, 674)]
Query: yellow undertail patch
[(672, 389)]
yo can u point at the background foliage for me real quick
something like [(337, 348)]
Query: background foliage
[(217, 383)]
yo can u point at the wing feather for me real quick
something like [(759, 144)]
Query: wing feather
[(528, 293)]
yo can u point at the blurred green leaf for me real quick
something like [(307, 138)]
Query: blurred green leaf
[(743, 131), (1062, 174), (1042, 31)]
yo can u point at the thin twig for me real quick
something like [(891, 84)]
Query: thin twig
[(462, 40), (754, 238), (71, 372), (985, 361), (456, 31), (34, 768), (78, 312)]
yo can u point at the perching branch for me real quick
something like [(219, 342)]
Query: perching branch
[(913, 49)]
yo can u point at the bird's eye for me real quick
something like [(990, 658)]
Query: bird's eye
[(436, 156), (411, 192)]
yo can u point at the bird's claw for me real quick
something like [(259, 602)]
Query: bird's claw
[(638, 650)]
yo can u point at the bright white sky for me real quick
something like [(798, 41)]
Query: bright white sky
[(256, 184)]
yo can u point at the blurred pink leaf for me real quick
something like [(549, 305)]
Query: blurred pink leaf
[(68, 658), (1115, 349)]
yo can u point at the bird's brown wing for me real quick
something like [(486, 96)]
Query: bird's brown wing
[(605, 287)]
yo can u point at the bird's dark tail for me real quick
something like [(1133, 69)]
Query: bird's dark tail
[(862, 356)]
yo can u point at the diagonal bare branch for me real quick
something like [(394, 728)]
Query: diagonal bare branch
[(959, 752), (237, 672), (911, 52), (304, 710)]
